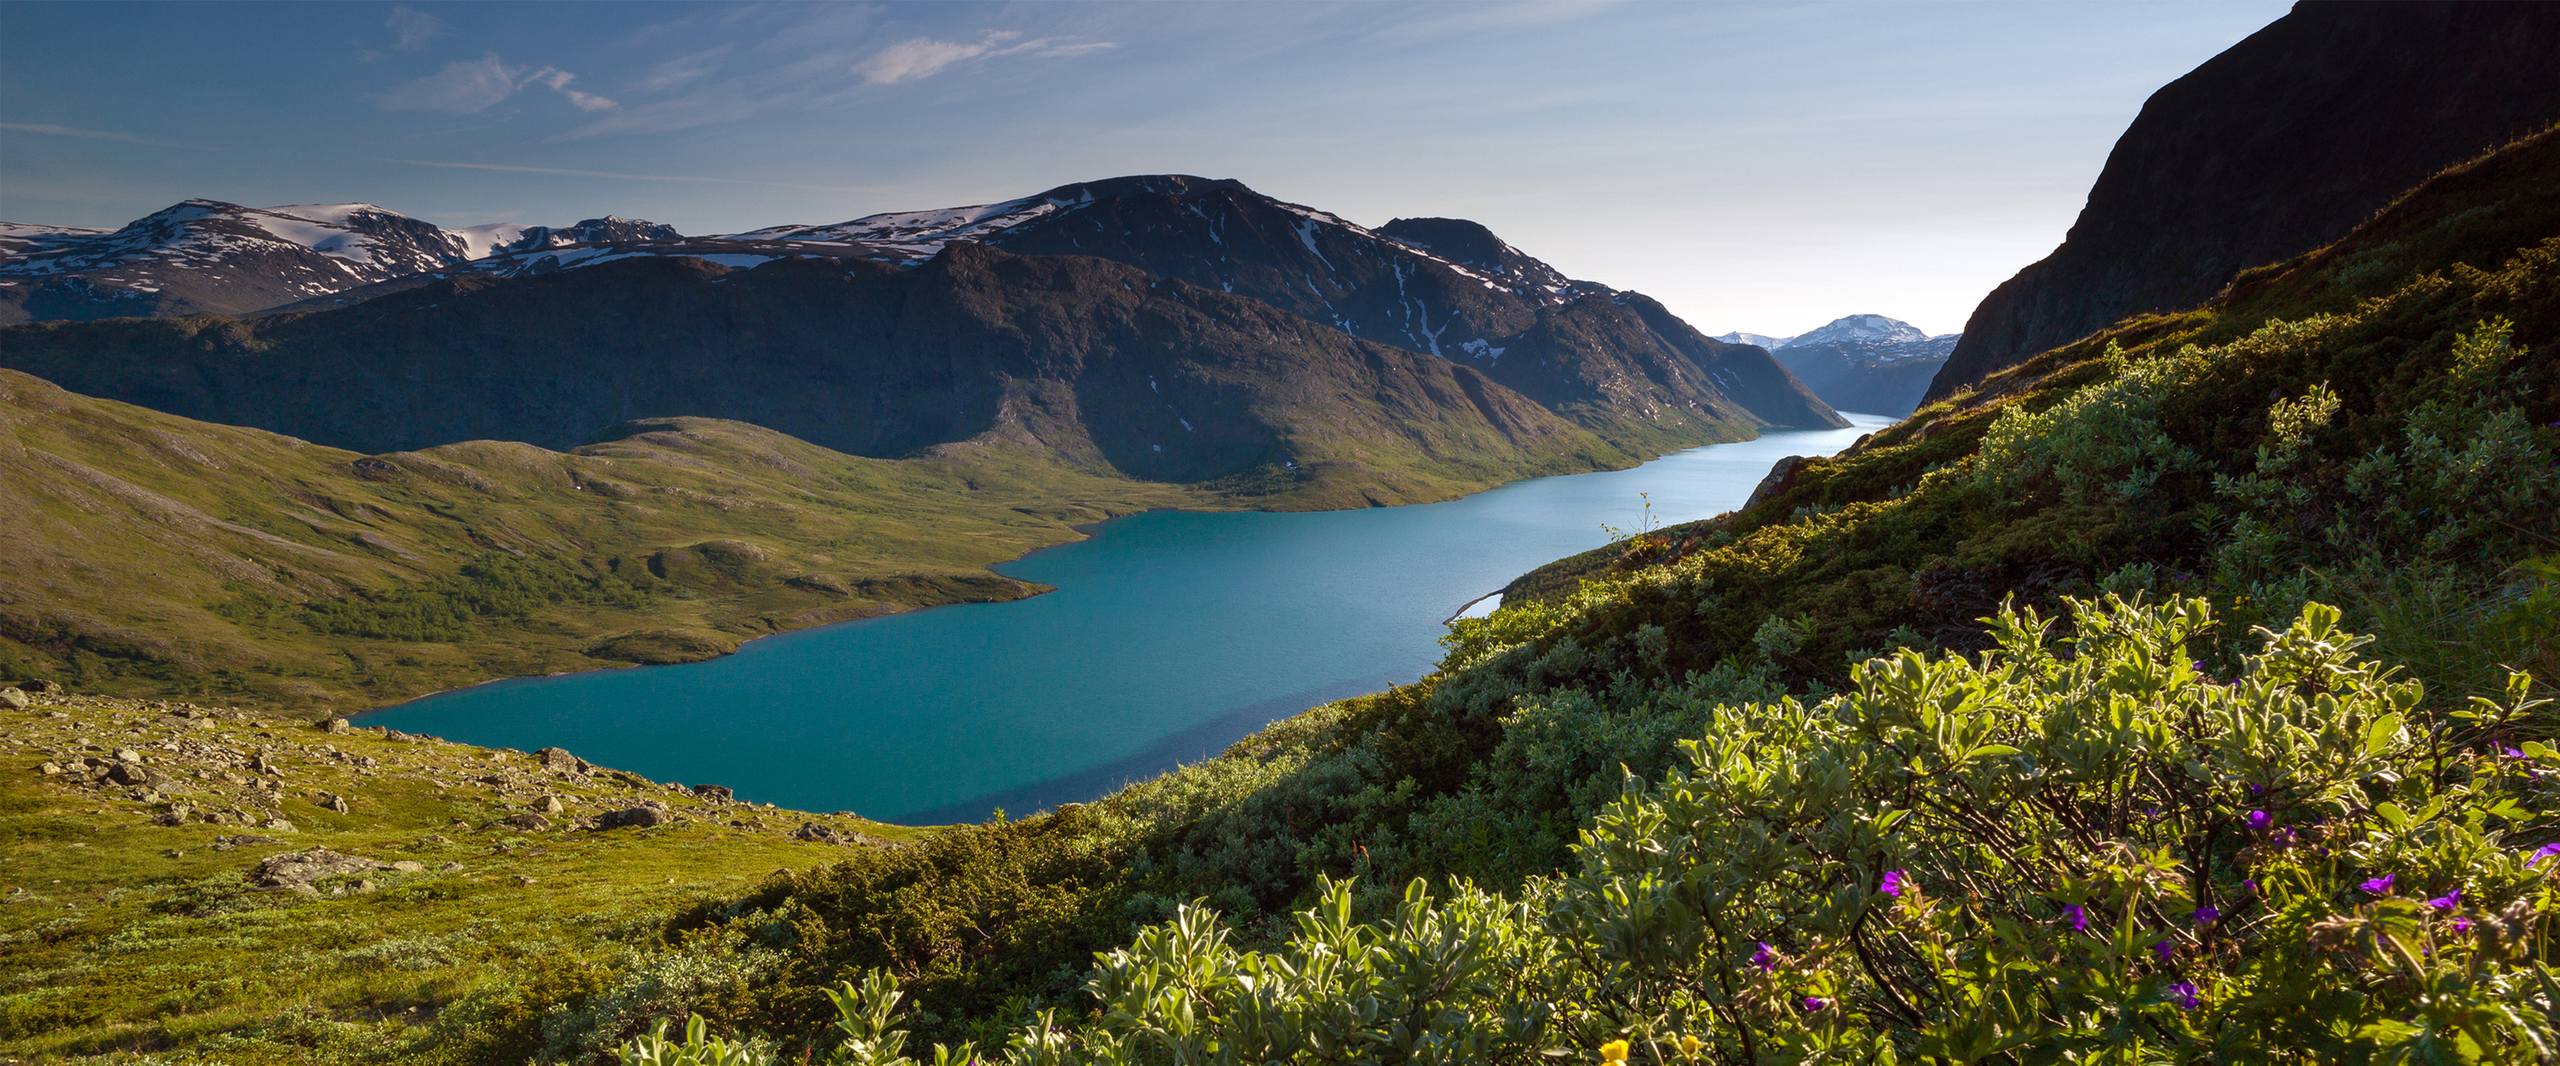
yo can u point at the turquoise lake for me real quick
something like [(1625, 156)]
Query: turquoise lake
[(1171, 635)]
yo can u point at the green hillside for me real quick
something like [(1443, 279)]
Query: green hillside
[(153, 554), (1656, 758)]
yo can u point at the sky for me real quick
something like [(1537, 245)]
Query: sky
[(1756, 166)]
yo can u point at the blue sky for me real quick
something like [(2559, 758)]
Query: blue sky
[(1756, 166)]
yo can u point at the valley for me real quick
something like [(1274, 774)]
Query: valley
[(1147, 620)]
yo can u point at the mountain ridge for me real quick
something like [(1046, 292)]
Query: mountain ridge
[(2239, 162)]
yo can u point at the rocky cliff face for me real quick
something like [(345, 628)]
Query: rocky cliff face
[(2278, 145)]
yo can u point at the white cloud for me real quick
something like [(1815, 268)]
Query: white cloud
[(51, 130), (470, 86), (923, 57), (683, 70), (464, 86), (412, 29)]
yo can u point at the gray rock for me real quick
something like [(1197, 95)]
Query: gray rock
[(331, 801), (719, 793), (304, 867), (14, 700), (550, 805), (336, 725), (527, 821), (641, 817), (558, 760)]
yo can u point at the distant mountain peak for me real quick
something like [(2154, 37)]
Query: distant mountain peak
[(1861, 329)]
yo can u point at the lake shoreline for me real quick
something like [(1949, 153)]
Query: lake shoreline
[(606, 731)]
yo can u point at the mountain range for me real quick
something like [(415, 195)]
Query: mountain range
[(1161, 327), (1867, 363)]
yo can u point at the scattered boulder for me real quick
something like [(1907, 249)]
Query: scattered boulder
[(336, 725), (527, 821), (558, 760), (331, 801), (301, 868), (827, 834), (719, 793), (14, 699), (550, 805), (129, 773), (1781, 477), (228, 842), (641, 817), (38, 684)]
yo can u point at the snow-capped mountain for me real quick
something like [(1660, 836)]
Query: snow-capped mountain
[(480, 242), (1756, 340), (1861, 331), (208, 256), (1866, 363)]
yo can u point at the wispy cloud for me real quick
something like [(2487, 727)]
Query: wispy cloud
[(412, 29), (917, 58), (683, 70), (51, 130), (573, 172), (470, 86)]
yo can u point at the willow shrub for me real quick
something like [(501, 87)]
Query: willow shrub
[(2078, 849)]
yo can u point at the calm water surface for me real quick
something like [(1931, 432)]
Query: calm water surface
[(1171, 635)]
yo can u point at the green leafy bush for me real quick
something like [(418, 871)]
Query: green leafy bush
[(2089, 848)]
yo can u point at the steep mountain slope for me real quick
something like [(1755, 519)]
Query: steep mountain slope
[(1614, 361), (2374, 425), (2277, 145), (206, 256), (1089, 360), (1866, 363), (152, 553)]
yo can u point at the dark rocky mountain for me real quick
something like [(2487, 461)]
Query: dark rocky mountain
[(1865, 363), (1086, 359), (211, 257), (506, 238), (1614, 361), (2278, 145)]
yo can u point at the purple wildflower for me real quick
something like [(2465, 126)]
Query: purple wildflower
[(1764, 958), (2448, 901), (2544, 852), (2165, 949), (2380, 886), (2512, 753), (2259, 819), (2208, 914), (1815, 1003), (1892, 884), (2184, 995), (2462, 925), (2251, 884), (2256, 789), (2077, 916)]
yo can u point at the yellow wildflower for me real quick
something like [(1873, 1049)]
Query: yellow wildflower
[(1689, 1045), (1614, 1051)]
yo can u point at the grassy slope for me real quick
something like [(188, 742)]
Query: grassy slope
[(154, 554), (2423, 506), (121, 933)]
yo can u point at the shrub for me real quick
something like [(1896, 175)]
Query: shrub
[(2085, 849)]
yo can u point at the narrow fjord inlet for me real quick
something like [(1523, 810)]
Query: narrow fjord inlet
[(1170, 634)]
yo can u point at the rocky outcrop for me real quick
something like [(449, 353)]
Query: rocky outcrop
[(2278, 145)]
